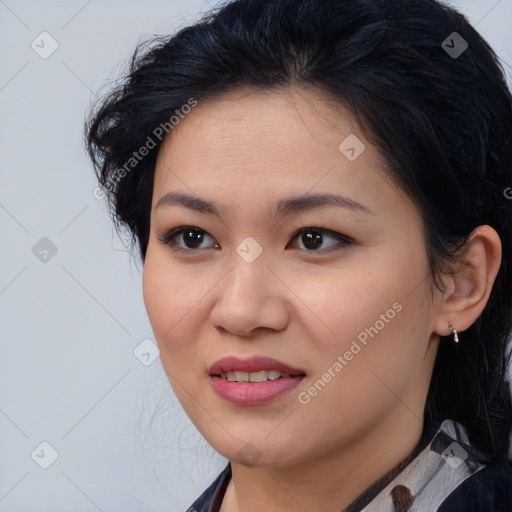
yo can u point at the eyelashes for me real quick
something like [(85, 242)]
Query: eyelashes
[(196, 236)]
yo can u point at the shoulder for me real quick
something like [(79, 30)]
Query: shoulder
[(488, 490), (211, 498)]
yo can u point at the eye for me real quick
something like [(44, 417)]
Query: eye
[(191, 236), (313, 238)]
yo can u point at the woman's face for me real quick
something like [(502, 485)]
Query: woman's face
[(334, 291)]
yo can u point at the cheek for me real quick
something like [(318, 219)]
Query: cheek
[(375, 317), (365, 372), (159, 303), (170, 296), (345, 304)]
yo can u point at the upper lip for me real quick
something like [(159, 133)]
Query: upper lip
[(252, 364)]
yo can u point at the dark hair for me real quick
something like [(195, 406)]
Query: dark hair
[(442, 121)]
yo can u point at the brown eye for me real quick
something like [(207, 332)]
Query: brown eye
[(313, 239), (191, 238)]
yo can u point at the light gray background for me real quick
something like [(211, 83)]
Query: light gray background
[(69, 325)]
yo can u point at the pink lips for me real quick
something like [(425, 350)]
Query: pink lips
[(253, 393)]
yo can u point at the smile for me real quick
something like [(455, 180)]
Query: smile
[(259, 376)]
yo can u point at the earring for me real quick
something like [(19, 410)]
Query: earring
[(455, 336)]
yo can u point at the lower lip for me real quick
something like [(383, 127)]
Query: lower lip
[(253, 393)]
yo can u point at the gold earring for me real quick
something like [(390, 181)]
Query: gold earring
[(455, 336)]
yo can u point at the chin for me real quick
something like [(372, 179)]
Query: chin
[(258, 452)]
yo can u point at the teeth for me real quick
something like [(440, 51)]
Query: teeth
[(260, 376), (242, 376)]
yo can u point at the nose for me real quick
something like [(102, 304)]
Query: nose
[(250, 297)]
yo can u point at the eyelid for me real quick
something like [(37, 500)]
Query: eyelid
[(312, 227)]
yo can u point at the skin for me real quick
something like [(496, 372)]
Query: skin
[(245, 150)]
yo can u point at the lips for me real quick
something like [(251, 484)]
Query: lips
[(258, 391), (253, 364)]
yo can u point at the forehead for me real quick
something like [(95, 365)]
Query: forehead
[(248, 118), (269, 142)]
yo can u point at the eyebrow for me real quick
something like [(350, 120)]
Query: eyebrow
[(283, 207)]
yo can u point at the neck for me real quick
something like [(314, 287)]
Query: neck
[(331, 481)]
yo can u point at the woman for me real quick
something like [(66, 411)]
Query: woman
[(320, 192)]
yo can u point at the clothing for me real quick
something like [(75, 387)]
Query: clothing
[(446, 474)]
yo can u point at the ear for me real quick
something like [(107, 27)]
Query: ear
[(469, 286)]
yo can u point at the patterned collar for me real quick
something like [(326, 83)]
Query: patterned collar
[(425, 482), (431, 476)]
